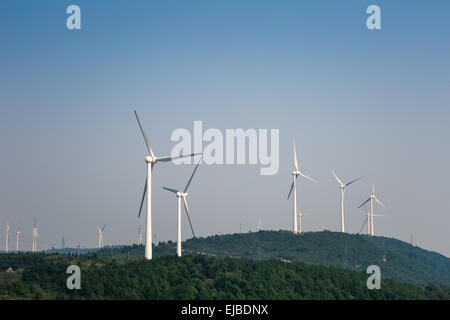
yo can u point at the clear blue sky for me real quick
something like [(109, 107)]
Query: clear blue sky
[(371, 103)]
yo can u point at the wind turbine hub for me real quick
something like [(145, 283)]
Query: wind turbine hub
[(149, 159), (179, 194)]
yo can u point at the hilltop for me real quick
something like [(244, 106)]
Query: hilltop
[(398, 260)]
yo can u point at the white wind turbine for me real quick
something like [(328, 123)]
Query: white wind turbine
[(183, 195), (100, 236), (295, 174), (342, 186), (17, 240), (7, 238), (371, 214), (151, 160), (139, 236), (258, 227), (35, 236), (300, 218)]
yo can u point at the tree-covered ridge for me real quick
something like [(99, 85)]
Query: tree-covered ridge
[(40, 276), (398, 260)]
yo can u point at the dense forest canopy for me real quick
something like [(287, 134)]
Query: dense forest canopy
[(398, 260), (261, 265), (42, 276)]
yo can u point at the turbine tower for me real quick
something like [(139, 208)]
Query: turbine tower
[(7, 238), (139, 236), (342, 186), (35, 236), (17, 240), (183, 195), (151, 160), (371, 214), (258, 227), (100, 236), (295, 174)]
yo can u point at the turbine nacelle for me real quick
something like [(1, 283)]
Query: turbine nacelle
[(181, 194), (150, 159)]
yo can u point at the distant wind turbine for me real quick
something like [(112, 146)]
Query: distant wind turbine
[(342, 186), (258, 227), (7, 238), (371, 214), (151, 160), (295, 174), (139, 236), (100, 236), (35, 236), (300, 219), (183, 195), (17, 240)]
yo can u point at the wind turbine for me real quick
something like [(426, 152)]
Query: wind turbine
[(342, 186), (258, 227), (7, 237), (295, 174), (370, 214), (100, 236), (151, 160), (35, 236), (183, 195), (17, 240), (139, 236), (300, 218)]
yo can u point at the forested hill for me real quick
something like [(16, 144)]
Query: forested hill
[(397, 259), (43, 276)]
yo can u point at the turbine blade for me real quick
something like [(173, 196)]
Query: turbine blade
[(167, 159), (188, 215), (380, 203), (364, 203), (334, 174), (143, 198), (309, 178), (147, 143), (171, 190), (353, 181), (290, 191), (295, 157), (192, 176), (365, 221), (104, 226)]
